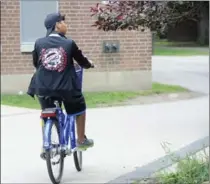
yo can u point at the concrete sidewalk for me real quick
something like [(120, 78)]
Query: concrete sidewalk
[(125, 138)]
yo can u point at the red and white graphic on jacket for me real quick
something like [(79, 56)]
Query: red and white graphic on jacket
[(54, 59)]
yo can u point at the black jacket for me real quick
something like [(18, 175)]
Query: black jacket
[(55, 74)]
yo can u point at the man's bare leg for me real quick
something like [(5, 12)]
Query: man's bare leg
[(81, 127), (83, 142)]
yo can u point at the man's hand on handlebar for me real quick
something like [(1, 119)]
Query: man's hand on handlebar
[(92, 64)]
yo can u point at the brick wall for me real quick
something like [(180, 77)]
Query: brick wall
[(12, 61), (135, 47)]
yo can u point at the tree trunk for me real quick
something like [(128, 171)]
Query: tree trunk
[(203, 27)]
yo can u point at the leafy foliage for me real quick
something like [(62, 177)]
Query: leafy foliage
[(155, 15)]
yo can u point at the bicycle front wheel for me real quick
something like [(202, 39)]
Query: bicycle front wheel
[(55, 157)]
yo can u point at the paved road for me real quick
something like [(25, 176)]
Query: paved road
[(190, 72), (125, 138)]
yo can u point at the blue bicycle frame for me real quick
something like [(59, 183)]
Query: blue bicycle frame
[(66, 124)]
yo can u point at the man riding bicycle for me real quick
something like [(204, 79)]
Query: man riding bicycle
[(55, 75)]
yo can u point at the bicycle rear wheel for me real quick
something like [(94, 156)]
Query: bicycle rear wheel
[(54, 152), (78, 160)]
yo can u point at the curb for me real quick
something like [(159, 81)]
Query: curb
[(161, 163)]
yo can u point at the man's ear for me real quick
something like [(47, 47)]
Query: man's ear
[(57, 25)]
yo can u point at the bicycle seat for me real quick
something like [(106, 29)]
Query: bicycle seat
[(48, 113), (52, 99), (45, 97)]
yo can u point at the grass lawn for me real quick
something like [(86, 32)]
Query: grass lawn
[(165, 48), (94, 99), (165, 42), (179, 51)]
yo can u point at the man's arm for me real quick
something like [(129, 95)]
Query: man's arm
[(79, 57)]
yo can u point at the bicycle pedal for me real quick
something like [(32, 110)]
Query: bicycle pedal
[(68, 152), (43, 156)]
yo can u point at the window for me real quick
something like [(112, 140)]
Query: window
[(32, 15)]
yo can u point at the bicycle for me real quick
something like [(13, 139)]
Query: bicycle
[(65, 129)]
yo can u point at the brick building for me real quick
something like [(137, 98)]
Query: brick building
[(22, 22)]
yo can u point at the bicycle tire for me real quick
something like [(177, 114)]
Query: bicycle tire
[(48, 159), (78, 160)]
